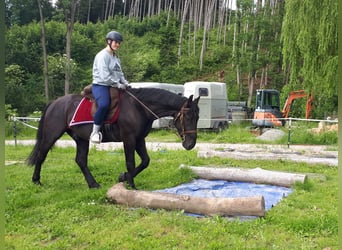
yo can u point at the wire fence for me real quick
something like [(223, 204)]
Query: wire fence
[(19, 123), (23, 120), (29, 122)]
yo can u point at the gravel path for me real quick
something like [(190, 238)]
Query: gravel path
[(315, 154)]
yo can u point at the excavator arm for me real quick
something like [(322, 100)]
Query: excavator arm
[(296, 95)]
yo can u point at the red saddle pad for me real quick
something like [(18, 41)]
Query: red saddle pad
[(83, 115)]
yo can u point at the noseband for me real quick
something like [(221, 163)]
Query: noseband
[(180, 116)]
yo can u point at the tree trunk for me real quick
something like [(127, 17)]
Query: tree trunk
[(111, 8), (251, 89), (200, 13), (159, 7), (89, 8), (185, 11), (195, 25), (246, 206), (168, 12), (238, 81), (256, 175), (209, 10), (191, 19), (45, 69), (70, 26), (221, 19), (106, 10)]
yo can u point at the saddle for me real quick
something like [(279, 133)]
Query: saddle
[(115, 94)]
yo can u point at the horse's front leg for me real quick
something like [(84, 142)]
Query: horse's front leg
[(130, 164), (132, 171), (145, 159)]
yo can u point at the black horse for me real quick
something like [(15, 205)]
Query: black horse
[(138, 109)]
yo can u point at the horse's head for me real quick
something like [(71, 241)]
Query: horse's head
[(186, 122)]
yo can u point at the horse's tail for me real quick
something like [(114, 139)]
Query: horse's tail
[(32, 159)]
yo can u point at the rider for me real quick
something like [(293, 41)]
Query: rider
[(107, 73)]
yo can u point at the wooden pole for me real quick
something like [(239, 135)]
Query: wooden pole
[(256, 175), (247, 206)]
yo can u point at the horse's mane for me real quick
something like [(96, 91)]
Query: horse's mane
[(158, 96)]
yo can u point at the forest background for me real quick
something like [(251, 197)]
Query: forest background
[(248, 44)]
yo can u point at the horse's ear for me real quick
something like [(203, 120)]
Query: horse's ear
[(197, 100), (190, 98)]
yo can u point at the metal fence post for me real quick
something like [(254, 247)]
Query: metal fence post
[(289, 134), (15, 130)]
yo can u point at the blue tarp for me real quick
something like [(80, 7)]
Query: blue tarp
[(231, 189)]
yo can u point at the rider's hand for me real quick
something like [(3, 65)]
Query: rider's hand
[(125, 83), (122, 86)]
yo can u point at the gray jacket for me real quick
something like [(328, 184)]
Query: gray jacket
[(107, 69)]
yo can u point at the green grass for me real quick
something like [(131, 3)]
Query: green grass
[(65, 214)]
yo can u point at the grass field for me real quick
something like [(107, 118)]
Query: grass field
[(65, 214)]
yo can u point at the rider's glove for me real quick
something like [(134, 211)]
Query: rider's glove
[(125, 83), (122, 86)]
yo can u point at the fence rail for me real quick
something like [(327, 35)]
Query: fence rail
[(289, 121)]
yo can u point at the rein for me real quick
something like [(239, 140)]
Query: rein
[(179, 116), (142, 104)]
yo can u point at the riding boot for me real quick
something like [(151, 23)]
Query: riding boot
[(96, 136)]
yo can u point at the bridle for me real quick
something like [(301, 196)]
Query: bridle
[(180, 116)]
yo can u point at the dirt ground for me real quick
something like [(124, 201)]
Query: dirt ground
[(314, 154)]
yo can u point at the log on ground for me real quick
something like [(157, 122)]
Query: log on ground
[(256, 175), (244, 206)]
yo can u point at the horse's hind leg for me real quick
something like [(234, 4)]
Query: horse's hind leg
[(37, 169), (39, 154), (50, 128), (82, 161)]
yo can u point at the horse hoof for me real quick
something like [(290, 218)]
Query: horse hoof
[(122, 177), (38, 183), (95, 185)]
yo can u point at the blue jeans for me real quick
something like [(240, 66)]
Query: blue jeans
[(102, 97)]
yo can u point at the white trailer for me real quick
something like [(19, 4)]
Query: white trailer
[(213, 103), (164, 122)]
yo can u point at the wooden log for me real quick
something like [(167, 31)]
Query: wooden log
[(256, 175), (247, 206)]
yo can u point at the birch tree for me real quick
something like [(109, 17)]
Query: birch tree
[(255, 45), (207, 22), (185, 11)]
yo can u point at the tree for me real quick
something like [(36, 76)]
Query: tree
[(22, 90), (14, 88), (310, 54), (69, 8), (244, 43), (185, 10), (57, 64), (23, 12), (45, 71), (209, 7), (168, 55)]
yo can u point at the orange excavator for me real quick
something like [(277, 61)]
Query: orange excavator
[(267, 111)]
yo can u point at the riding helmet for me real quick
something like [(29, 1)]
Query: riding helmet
[(114, 36)]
